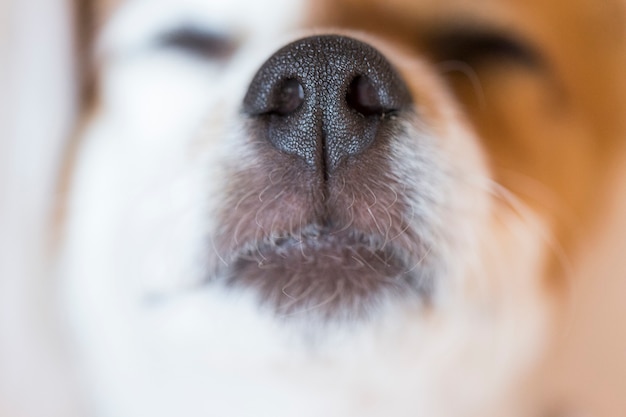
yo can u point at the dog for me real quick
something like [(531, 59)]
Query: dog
[(338, 208)]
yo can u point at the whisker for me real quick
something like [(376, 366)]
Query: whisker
[(244, 197), (337, 293), (471, 74)]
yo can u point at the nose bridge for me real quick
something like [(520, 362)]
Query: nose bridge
[(323, 98)]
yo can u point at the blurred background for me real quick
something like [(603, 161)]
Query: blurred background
[(38, 103)]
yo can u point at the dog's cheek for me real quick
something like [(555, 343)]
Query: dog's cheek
[(136, 159), (491, 244)]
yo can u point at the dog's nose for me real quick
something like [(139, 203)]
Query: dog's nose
[(325, 99)]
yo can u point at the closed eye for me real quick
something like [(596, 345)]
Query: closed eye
[(477, 46), (199, 42)]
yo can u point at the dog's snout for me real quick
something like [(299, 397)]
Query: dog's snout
[(325, 98)]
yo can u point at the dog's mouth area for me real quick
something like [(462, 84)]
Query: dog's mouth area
[(326, 274)]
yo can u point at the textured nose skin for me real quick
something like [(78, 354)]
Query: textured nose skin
[(325, 98)]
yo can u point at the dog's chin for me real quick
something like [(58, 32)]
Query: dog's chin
[(325, 274)]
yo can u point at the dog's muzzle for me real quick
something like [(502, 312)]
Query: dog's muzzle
[(317, 223)]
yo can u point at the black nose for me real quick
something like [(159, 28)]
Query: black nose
[(325, 98)]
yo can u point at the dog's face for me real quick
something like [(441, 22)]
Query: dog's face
[(333, 208)]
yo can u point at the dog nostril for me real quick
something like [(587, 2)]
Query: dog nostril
[(363, 97), (322, 99), (289, 97)]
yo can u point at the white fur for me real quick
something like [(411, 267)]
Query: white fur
[(152, 342)]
